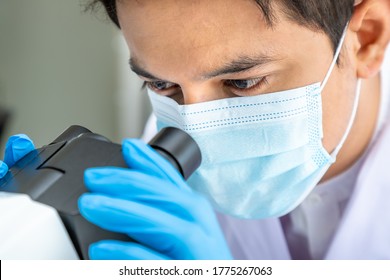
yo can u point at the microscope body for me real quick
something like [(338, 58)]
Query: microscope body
[(53, 176)]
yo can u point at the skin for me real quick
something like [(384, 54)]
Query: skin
[(177, 45)]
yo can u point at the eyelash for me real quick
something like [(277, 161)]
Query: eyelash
[(259, 82)]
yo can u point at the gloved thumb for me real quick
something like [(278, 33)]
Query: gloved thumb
[(142, 157)]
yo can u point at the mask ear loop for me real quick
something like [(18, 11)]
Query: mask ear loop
[(351, 120), (334, 61), (357, 94)]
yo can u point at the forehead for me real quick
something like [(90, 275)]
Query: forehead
[(200, 15), (200, 33), (188, 24)]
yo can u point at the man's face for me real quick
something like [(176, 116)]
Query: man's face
[(196, 51)]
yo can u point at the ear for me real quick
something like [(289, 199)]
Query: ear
[(371, 24)]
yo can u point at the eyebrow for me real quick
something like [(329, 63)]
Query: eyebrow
[(140, 71), (239, 65)]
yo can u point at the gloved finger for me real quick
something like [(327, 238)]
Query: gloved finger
[(118, 250), (124, 216), (3, 169), (17, 147), (139, 187), (148, 225), (123, 182), (142, 157)]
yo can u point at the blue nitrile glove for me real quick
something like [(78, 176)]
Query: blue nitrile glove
[(17, 147), (153, 205)]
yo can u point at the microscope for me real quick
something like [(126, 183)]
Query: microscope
[(38, 197)]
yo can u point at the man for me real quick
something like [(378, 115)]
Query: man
[(292, 145)]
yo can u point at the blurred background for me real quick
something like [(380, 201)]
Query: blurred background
[(59, 66)]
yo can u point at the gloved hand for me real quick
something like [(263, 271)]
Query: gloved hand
[(17, 147), (151, 203)]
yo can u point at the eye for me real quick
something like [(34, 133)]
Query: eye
[(160, 85), (244, 85)]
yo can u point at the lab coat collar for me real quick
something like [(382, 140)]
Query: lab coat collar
[(255, 239), (364, 231)]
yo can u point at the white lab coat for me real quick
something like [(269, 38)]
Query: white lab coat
[(364, 230)]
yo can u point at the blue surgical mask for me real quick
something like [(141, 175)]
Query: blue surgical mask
[(262, 155)]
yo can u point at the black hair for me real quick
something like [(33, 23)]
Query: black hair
[(327, 16)]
